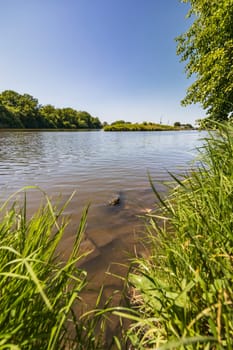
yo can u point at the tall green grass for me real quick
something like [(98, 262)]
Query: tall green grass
[(182, 292), (38, 290)]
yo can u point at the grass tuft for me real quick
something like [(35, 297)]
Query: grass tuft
[(184, 287), (37, 288)]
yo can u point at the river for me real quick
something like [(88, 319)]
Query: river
[(97, 165)]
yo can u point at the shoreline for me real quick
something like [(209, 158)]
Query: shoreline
[(84, 130)]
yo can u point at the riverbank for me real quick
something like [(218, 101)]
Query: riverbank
[(180, 292)]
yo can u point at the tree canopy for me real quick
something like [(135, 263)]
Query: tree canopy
[(24, 111), (207, 48)]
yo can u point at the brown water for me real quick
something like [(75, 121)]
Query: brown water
[(98, 165)]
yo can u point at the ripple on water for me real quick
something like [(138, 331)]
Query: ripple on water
[(97, 165)]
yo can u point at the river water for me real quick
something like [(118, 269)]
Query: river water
[(97, 165)]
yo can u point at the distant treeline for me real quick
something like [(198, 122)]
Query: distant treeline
[(121, 125), (25, 112)]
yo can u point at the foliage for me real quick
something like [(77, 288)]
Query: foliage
[(9, 119), (120, 121), (119, 126), (183, 290), (22, 107), (183, 126), (23, 111), (207, 47), (40, 293)]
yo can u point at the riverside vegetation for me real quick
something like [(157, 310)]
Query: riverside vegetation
[(24, 112), (36, 294), (183, 289), (121, 125), (181, 294), (39, 292)]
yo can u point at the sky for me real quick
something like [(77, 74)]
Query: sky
[(115, 59)]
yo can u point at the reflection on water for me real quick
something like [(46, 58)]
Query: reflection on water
[(98, 165)]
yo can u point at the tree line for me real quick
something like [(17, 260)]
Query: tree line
[(24, 111), (121, 125)]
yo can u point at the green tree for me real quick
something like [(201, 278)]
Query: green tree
[(25, 107), (8, 119), (23, 111), (207, 47), (68, 118), (96, 123), (49, 115), (85, 120), (118, 122)]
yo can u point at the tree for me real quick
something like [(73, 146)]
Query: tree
[(23, 111), (49, 115), (9, 119), (86, 121), (118, 122), (207, 47), (67, 118), (25, 107)]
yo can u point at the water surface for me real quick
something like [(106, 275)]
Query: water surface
[(97, 165)]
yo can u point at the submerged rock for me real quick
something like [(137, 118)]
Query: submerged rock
[(115, 200)]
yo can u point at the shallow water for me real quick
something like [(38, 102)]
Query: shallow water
[(98, 165)]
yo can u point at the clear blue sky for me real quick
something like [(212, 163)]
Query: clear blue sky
[(115, 59)]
